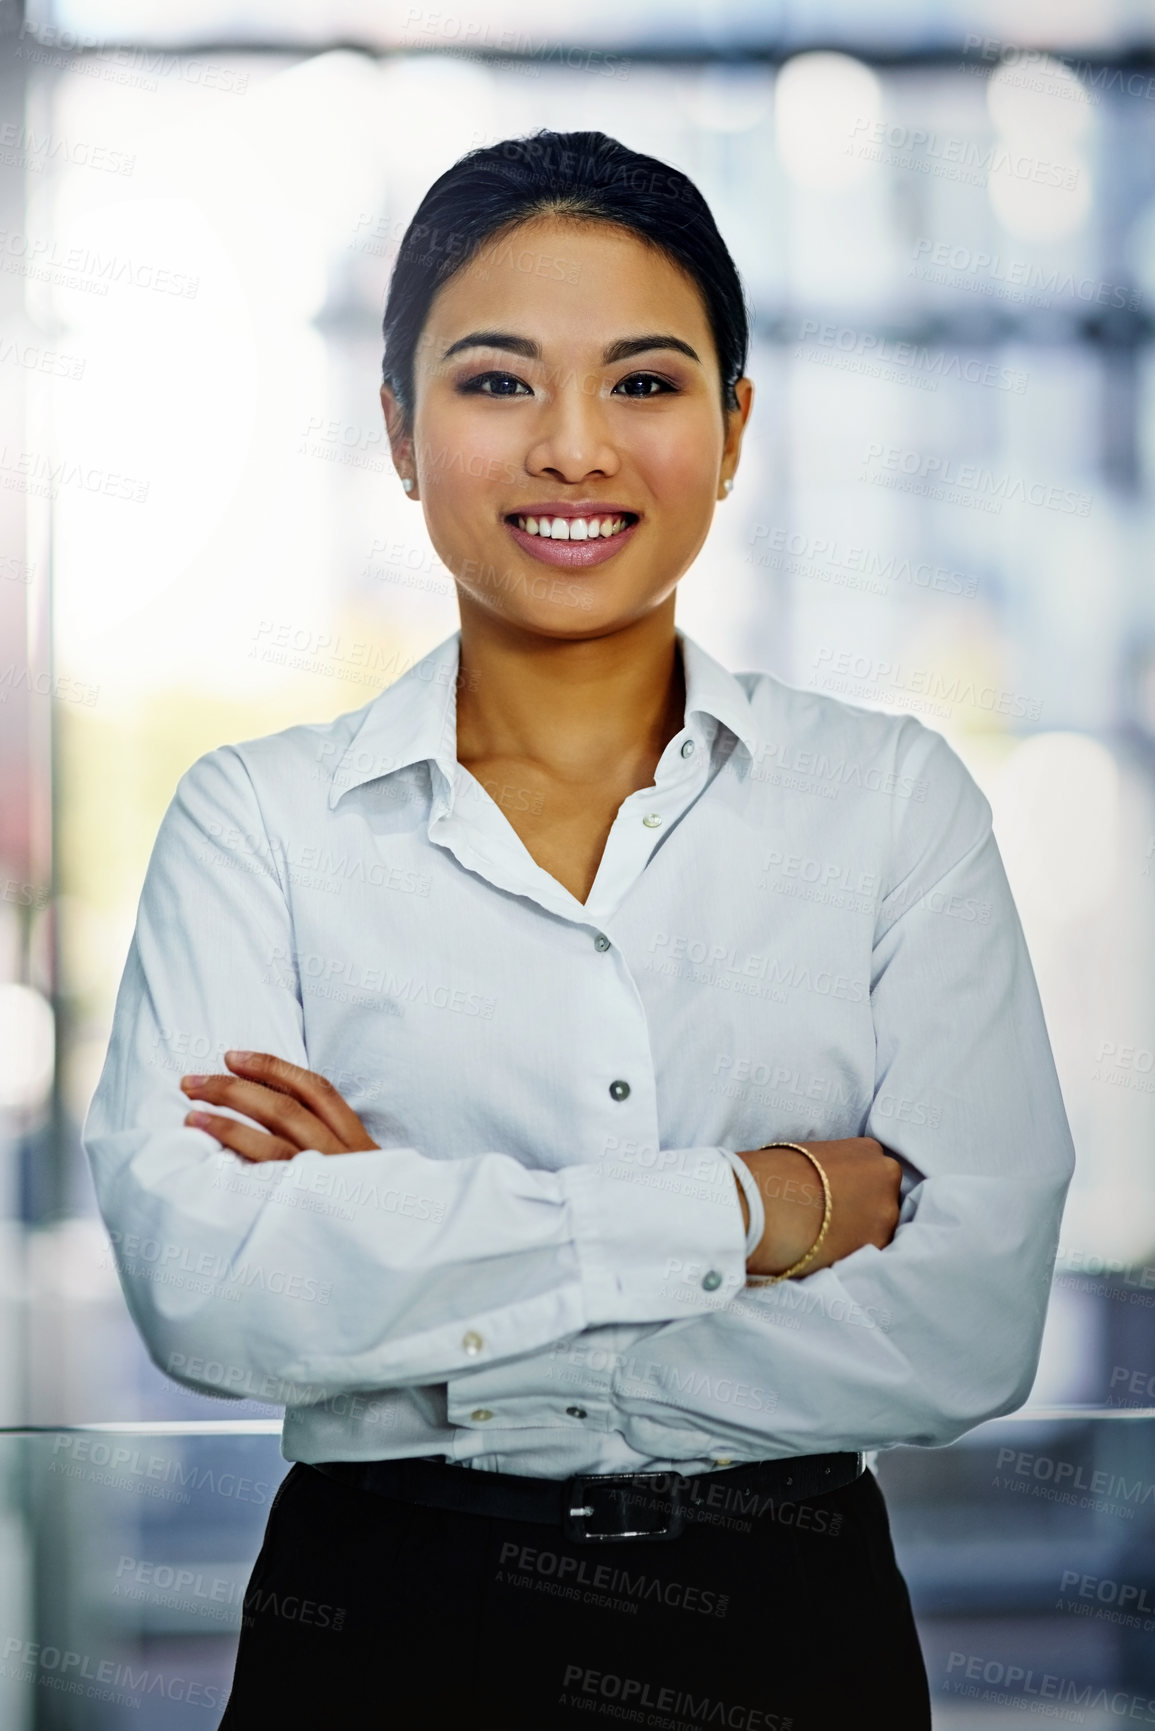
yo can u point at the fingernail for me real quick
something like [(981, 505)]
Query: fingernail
[(198, 1119), (238, 1057), (193, 1081)]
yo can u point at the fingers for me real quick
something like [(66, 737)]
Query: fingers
[(315, 1091), (278, 1113), (298, 1105), (255, 1145)]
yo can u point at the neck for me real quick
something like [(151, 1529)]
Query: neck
[(579, 710)]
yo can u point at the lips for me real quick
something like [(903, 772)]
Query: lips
[(548, 535)]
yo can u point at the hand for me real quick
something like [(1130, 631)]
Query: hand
[(864, 1190), (300, 1108)]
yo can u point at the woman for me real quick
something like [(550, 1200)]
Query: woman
[(697, 1126)]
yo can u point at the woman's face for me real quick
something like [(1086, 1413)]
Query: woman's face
[(567, 377)]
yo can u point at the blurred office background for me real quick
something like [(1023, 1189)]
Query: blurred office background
[(944, 215)]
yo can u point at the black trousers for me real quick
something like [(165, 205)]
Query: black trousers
[(366, 1612)]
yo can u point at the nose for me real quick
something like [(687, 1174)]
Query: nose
[(571, 437)]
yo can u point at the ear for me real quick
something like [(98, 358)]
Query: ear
[(735, 427), (400, 440)]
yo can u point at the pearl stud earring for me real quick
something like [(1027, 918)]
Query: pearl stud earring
[(407, 484), (728, 486)]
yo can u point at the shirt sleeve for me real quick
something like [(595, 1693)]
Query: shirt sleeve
[(481, 1259), (918, 1342)]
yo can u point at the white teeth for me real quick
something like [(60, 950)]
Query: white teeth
[(571, 528)]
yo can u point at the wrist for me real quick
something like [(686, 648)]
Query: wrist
[(794, 1209)]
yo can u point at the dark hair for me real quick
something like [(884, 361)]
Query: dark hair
[(586, 175)]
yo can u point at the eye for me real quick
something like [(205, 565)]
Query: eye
[(476, 385), (645, 379)]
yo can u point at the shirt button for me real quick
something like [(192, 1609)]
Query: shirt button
[(687, 748), (712, 1281), (619, 1090), (577, 1412), (652, 819), (472, 1342), (601, 942), (480, 1413)]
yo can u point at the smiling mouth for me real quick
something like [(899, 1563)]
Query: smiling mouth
[(573, 528)]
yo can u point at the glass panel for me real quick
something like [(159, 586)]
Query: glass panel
[(1029, 1549), (125, 1555), (125, 1559)]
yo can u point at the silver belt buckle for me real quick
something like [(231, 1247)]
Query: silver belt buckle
[(587, 1495)]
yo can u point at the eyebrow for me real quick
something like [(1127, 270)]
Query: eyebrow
[(621, 350)]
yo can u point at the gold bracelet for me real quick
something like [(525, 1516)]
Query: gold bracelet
[(772, 1279)]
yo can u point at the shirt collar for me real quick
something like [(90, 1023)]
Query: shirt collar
[(414, 720)]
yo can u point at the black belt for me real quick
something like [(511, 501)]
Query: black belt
[(593, 1508)]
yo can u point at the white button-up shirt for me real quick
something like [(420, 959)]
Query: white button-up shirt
[(802, 930)]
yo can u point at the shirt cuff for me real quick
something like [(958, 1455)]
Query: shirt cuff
[(753, 1197), (659, 1243)]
